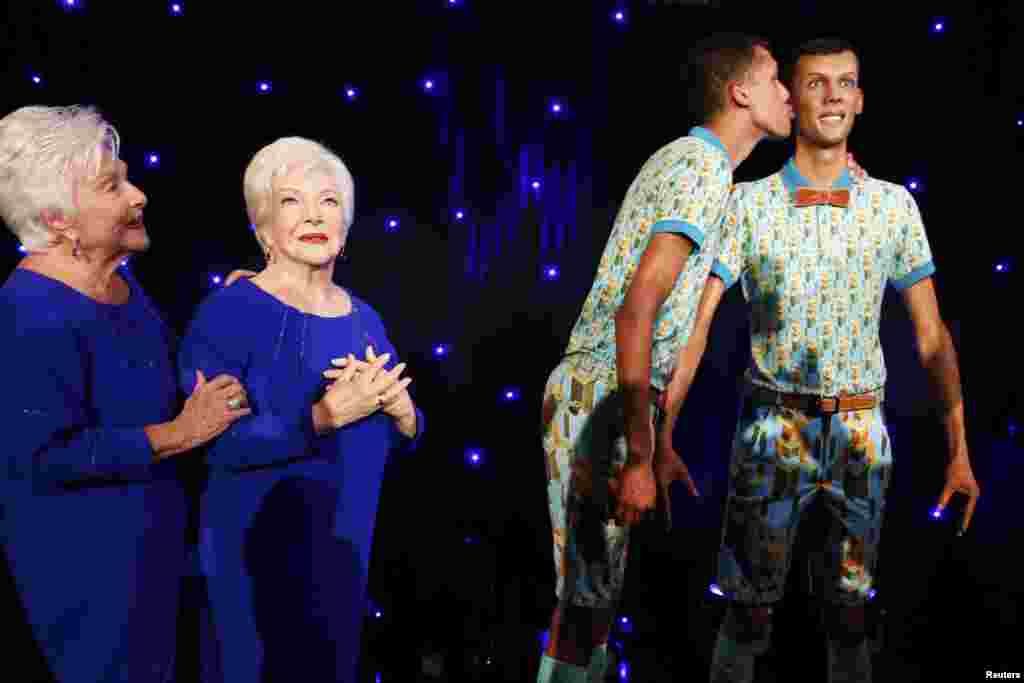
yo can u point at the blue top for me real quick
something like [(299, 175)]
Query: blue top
[(94, 533), (287, 519)]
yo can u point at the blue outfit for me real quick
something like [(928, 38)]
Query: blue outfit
[(93, 531), (286, 522)]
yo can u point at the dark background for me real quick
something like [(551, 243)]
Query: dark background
[(462, 563)]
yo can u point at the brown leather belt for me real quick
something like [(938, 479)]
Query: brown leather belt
[(811, 404)]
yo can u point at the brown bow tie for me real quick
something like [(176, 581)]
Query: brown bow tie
[(806, 196)]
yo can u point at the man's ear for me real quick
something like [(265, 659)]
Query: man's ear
[(739, 93)]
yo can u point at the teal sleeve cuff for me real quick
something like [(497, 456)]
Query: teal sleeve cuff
[(695, 234), (914, 276), (719, 270)]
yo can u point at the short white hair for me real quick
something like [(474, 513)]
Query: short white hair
[(44, 151), (280, 158)]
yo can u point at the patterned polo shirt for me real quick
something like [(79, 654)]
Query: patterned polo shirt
[(683, 188), (814, 278)]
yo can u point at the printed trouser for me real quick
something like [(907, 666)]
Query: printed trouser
[(782, 461), (584, 449)]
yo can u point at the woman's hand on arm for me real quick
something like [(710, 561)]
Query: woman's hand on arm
[(212, 407)]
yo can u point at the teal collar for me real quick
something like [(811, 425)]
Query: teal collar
[(794, 179), (710, 138)]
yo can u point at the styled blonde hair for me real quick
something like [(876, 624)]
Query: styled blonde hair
[(44, 152)]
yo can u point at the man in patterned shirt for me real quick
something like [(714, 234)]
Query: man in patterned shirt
[(814, 253), (597, 417)]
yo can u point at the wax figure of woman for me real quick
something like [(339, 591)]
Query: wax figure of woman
[(287, 518), (92, 516)]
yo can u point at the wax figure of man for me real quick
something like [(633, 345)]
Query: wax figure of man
[(814, 253), (599, 404)]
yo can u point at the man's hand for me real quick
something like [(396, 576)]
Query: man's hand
[(960, 479), (635, 490), (938, 357), (237, 275), (855, 168), (668, 468), (639, 441)]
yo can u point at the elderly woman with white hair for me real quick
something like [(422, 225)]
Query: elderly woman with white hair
[(93, 517), (286, 521)]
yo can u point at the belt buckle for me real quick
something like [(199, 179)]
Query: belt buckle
[(823, 403)]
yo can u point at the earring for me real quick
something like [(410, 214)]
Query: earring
[(75, 251)]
